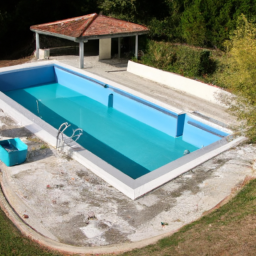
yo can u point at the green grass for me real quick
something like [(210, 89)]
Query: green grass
[(44, 146), (225, 231), (232, 224), (13, 243)]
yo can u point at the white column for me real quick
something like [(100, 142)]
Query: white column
[(105, 49), (119, 47), (81, 54), (37, 46), (136, 46)]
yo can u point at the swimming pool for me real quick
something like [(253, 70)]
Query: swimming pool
[(126, 139)]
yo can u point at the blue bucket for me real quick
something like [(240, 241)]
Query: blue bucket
[(13, 151)]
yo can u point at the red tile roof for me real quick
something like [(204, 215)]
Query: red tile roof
[(91, 25)]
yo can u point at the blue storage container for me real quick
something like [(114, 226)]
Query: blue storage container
[(13, 151)]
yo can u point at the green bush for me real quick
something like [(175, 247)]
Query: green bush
[(207, 64), (181, 59), (239, 74)]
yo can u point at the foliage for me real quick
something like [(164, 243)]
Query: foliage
[(182, 59), (167, 26), (196, 22), (120, 9), (239, 73), (193, 24)]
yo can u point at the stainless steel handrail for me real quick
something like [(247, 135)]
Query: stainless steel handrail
[(60, 141)]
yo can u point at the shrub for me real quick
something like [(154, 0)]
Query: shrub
[(207, 64), (181, 59), (239, 74)]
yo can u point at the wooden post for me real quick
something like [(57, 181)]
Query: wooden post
[(81, 54), (37, 46), (136, 46), (119, 47)]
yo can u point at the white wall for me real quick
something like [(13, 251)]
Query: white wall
[(193, 87), (43, 54), (105, 49)]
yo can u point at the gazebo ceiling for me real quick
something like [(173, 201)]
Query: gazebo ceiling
[(91, 26)]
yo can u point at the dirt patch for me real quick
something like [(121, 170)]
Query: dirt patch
[(135, 217), (82, 173), (34, 139), (7, 63), (114, 235), (191, 184), (69, 232)]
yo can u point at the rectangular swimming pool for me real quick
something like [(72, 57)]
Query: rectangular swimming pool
[(130, 134)]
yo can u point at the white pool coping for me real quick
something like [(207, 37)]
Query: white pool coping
[(130, 187)]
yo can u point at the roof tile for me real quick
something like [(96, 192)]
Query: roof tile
[(90, 25)]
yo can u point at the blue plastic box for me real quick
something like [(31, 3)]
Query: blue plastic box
[(13, 151)]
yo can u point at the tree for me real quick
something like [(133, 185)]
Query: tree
[(240, 74), (193, 24)]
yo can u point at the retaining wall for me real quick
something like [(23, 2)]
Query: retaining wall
[(178, 82)]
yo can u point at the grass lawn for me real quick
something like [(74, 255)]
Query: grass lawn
[(13, 243), (230, 230)]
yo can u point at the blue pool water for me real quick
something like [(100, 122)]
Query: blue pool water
[(128, 144)]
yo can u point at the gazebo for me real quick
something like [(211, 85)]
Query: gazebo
[(90, 27)]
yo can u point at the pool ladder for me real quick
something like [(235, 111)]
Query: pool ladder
[(60, 141)]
